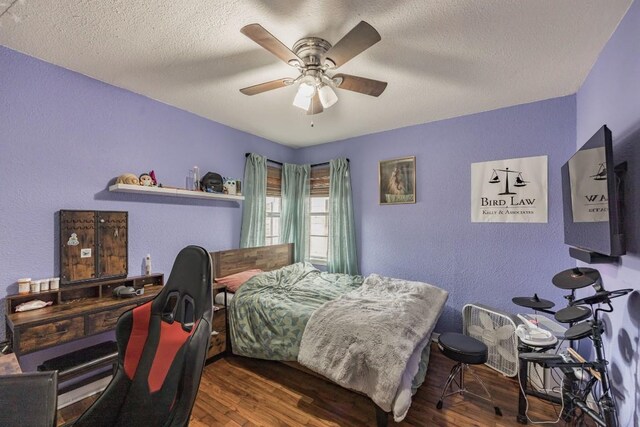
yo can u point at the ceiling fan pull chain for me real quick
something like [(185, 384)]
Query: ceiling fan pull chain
[(312, 114)]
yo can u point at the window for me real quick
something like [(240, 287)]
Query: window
[(274, 204), (319, 233), (319, 215), (318, 212), (273, 221)]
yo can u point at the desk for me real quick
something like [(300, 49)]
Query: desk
[(77, 311)]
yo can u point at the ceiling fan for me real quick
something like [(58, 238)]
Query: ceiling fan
[(314, 58)]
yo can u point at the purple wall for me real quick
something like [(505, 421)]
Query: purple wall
[(611, 95), (434, 240), (66, 136)]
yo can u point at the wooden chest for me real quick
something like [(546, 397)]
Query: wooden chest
[(93, 245)]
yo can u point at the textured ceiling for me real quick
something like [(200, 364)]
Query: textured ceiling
[(441, 58)]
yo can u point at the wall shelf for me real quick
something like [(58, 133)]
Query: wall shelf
[(172, 192)]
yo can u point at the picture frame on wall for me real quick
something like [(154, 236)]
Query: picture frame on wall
[(397, 181)]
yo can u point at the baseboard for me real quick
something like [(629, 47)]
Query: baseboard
[(83, 392)]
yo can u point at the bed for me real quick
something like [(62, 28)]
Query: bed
[(337, 326)]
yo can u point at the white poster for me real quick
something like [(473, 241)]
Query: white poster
[(589, 193), (512, 190)]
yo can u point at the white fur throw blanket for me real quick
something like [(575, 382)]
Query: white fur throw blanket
[(366, 339)]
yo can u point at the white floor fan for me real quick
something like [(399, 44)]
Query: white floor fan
[(497, 330)]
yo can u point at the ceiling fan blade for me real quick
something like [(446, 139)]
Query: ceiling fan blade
[(263, 87), (356, 41), (360, 84), (316, 105), (264, 38)]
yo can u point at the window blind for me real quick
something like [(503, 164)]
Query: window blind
[(320, 181), (274, 181)]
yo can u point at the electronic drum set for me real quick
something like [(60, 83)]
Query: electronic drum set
[(576, 313), (584, 322)]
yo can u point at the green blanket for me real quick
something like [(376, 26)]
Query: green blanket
[(269, 312)]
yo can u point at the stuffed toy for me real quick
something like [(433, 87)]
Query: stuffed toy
[(146, 180), (229, 186), (127, 178), (152, 174)]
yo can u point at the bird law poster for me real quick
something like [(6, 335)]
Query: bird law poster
[(512, 190)]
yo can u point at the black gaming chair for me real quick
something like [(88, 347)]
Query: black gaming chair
[(162, 347)]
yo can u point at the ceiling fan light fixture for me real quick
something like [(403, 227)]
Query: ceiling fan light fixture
[(306, 89), (327, 96), (301, 100)]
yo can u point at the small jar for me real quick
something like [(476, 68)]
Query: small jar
[(23, 285), (44, 285), (54, 283), (35, 286)]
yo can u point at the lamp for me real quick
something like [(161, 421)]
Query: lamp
[(327, 96), (308, 87), (303, 96), (302, 101), (306, 90)]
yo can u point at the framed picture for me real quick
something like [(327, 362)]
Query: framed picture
[(397, 181)]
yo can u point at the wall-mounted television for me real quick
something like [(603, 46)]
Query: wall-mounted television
[(592, 200)]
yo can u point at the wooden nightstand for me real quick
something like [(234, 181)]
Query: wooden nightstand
[(218, 342)]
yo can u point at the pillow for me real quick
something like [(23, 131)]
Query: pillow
[(234, 281)]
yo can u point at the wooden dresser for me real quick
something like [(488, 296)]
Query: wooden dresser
[(77, 311), (219, 337)]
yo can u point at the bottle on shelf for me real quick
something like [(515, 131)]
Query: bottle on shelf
[(196, 178), (147, 265)]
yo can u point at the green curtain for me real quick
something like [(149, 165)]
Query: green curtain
[(294, 219), (342, 230), (254, 212)]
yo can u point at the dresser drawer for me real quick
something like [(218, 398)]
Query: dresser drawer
[(218, 343), (54, 333), (105, 320)]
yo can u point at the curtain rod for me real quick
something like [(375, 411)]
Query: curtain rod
[(280, 163)]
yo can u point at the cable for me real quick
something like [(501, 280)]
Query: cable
[(526, 410)]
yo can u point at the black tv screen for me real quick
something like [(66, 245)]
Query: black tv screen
[(590, 198)]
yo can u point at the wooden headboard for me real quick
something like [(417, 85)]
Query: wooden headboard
[(266, 258)]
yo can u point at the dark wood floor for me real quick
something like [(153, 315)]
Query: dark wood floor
[(237, 391)]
